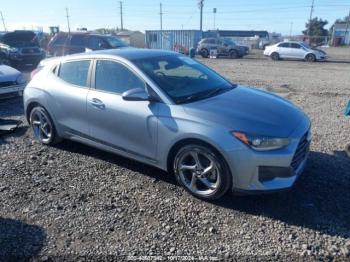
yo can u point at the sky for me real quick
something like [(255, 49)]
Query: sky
[(282, 16)]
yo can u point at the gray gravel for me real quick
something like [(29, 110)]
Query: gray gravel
[(72, 200)]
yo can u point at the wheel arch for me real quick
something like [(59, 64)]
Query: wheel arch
[(186, 141)]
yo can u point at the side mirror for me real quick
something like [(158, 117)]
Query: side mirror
[(136, 94)]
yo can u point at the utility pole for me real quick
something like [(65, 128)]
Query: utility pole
[(67, 16), (214, 12), (201, 4), (347, 28), (121, 15), (3, 21), (161, 24), (309, 27), (161, 16)]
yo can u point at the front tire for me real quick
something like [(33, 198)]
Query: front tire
[(310, 58), (275, 56), (347, 149), (43, 126), (202, 172)]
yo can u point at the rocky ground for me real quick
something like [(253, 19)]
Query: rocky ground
[(71, 200)]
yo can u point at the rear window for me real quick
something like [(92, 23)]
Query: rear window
[(75, 72)]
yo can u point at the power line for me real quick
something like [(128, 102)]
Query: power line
[(121, 14), (67, 16), (3, 21)]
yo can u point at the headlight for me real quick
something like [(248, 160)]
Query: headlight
[(261, 143), (21, 80)]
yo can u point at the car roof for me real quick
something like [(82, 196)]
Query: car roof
[(128, 53)]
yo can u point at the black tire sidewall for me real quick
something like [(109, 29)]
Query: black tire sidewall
[(275, 56), (225, 174), (313, 58), (204, 53), (233, 54)]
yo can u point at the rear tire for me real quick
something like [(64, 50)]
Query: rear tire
[(202, 171), (347, 149), (310, 58), (275, 56), (233, 54), (43, 126), (204, 53)]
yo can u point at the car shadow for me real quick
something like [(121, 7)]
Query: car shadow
[(153, 172), (20, 241), (320, 199)]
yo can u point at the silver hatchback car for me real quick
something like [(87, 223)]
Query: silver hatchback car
[(172, 112)]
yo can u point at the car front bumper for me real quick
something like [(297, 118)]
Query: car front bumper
[(12, 89), (270, 171)]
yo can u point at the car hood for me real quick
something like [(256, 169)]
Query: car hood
[(20, 38), (8, 73), (248, 110)]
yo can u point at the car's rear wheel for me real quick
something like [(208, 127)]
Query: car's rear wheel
[(202, 172), (275, 56), (205, 53), (310, 58), (347, 149), (43, 126), (233, 54)]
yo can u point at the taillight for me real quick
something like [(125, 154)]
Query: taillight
[(35, 71)]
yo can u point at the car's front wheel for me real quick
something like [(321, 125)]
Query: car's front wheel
[(347, 149), (310, 58), (204, 53), (43, 127), (275, 56), (202, 172)]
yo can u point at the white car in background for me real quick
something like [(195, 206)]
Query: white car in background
[(294, 50), (12, 81)]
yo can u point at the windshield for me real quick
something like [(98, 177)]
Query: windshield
[(182, 78), (115, 42)]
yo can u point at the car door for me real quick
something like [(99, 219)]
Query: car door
[(284, 50), (128, 126), (298, 51), (222, 47), (67, 96)]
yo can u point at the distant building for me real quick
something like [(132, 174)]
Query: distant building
[(175, 40), (341, 34), (132, 38)]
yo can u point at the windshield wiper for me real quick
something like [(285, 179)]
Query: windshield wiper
[(208, 94)]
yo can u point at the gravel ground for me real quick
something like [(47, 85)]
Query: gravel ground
[(72, 200)]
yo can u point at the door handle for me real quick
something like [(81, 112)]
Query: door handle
[(97, 103)]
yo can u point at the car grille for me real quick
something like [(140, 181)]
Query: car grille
[(30, 51), (7, 83), (301, 152)]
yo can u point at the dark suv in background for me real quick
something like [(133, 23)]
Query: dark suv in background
[(78, 42), (20, 48), (224, 47)]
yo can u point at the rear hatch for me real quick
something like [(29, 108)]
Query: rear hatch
[(25, 41)]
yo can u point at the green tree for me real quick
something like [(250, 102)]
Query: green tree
[(317, 31)]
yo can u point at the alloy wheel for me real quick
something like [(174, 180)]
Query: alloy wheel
[(199, 172), (42, 126)]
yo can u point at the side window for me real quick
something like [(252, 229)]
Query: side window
[(212, 41), (77, 40), (116, 78), (75, 72), (294, 45), (285, 45), (96, 43)]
